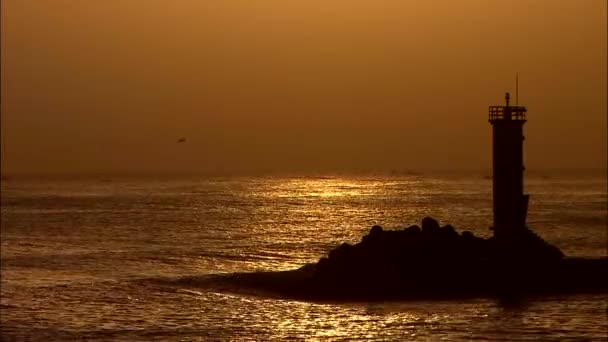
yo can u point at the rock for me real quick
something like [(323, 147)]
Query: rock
[(340, 253), (430, 225), (376, 230), (322, 266), (412, 230), (427, 256), (449, 234), (449, 229), (345, 246), (467, 235)]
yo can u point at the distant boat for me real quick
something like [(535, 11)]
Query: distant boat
[(407, 172)]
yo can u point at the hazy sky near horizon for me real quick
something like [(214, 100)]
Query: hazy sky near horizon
[(306, 86)]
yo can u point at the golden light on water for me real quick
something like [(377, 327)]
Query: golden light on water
[(335, 187), (315, 214), (332, 187), (136, 264), (363, 321)]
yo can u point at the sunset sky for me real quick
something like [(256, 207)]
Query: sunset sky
[(297, 86)]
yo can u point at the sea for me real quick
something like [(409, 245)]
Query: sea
[(123, 258)]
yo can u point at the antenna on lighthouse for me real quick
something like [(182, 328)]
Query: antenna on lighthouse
[(516, 88)]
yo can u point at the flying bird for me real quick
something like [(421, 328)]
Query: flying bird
[(181, 140)]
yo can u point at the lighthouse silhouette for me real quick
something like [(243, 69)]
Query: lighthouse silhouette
[(510, 204)]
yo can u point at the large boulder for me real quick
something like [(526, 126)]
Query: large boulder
[(429, 223), (375, 231)]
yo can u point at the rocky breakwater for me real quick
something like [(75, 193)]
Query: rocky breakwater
[(437, 262), (429, 262)]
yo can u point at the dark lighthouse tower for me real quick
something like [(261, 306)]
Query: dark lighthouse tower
[(510, 203)]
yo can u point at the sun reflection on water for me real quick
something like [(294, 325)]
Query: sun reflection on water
[(132, 264), (334, 187), (365, 321)]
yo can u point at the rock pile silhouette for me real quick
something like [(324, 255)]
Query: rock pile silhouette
[(429, 262), (433, 259)]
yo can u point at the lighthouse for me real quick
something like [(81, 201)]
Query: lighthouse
[(510, 204)]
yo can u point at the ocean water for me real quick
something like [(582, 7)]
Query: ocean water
[(118, 258)]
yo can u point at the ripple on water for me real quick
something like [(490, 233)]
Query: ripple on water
[(74, 254)]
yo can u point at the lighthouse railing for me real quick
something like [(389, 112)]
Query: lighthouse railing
[(507, 113)]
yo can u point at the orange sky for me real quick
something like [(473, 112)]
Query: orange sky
[(306, 86)]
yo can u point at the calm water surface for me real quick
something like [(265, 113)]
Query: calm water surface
[(92, 258)]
